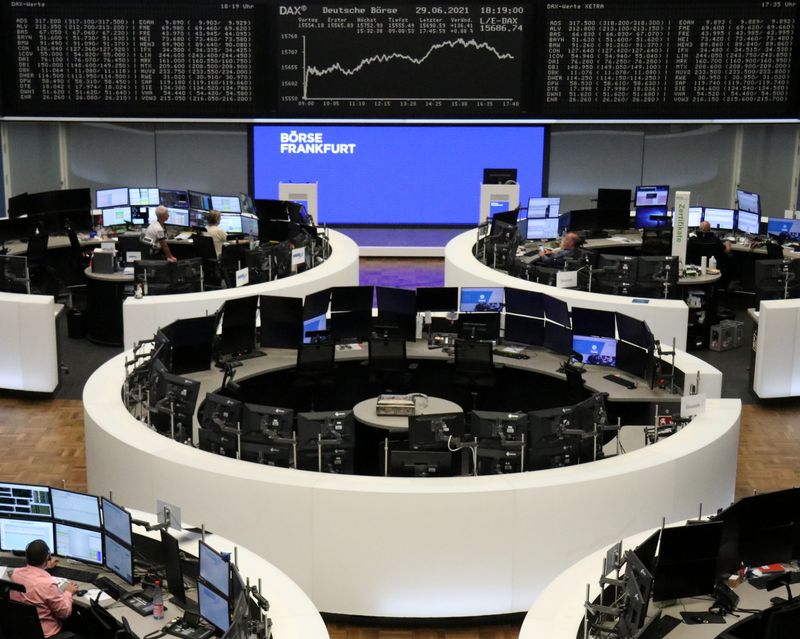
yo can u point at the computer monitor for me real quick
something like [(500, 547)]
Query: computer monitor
[(617, 267), (637, 583), (25, 500), (523, 302), (18, 205), (782, 622), (172, 198), (238, 335), (542, 228), (119, 559), (479, 326), (481, 299), (695, 216), (748, 201), (633, 360), (590, 321), (172, 567), (556, 310), (599, 351), (214, 568), (719, 218), (201, 201), (226, 203), (190, 340), (330, 425), (107, 198), (212, 607), (397, 309), (75, 508), (231, 223), (281, 321), (79, 543), (16, 534), (143, 196), (246, 203), (250, 225), (557, 338), (420, 463), (583, 220), (198, 219), (634, 331), (143, 215), (434, 430), (499, 176), (777, 226), (747, 222), (116, 521), (687, 561), (646, 551), (116, 216), (614, 200), (437, 299), (59, 201), (316, 324), (220, 412), (520, 329), (510, 427), (351, 298), (652, 196), (653, 271), (267, 423), (541, 207), (178, 217), (350, 326), (645, 214)]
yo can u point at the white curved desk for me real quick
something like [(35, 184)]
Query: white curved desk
[(142, 318), (412, 547), (667, 319)]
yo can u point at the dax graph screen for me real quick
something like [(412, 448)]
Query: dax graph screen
[(391, 58)]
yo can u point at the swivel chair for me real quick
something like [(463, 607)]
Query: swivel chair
[(204, 249), (19, 621), (657, 241), (474, 367), (42, 275), (388, 368), (313, 373), (774, 251)]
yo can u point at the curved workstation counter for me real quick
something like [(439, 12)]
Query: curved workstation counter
[(667, 319), (410, 547), (142, 317)]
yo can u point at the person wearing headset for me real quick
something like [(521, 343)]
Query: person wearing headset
[(53, 605)]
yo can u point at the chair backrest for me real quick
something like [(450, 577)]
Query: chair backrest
[(37, 249), (473, 357), (19, 620), (387, 354), (315, 358), (698, 248), (774, 251), (204, 247)]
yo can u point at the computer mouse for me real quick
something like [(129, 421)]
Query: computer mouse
[(80, 593)]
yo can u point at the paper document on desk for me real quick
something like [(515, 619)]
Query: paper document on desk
[(183, 236), (105, 599), (619, 238), (510, 350), (3, 572)]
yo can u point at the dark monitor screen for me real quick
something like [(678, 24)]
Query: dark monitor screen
[(219, 411), (212, 607), (434, 430), (399, 301), (617, 267), (493, 424), (420, 463), (747, 222), (558, 338), (269, 422), (116, 521), (61, 200), (652, 196), (107, 198), (437, 299), (316, 304), (520, 329), (584, 220), (25, 500), (482, 299), (281, 321), (589, 321), (654, 271), (687, 561), (615, 219), (646, 551), (119, 559), (18, 205), (614, 200), (83, 544), (556, 310), (522, 302), (783, 622), (748, 201), (499, 176), (645, 215), (172, 198), (598, 351), (16, 534), (479, 326), (330, 425), (214, 568), (351, 298), (634, 331), (238, 325), (637, 583), (75, 508), (191, 340), (351, 326), (632, 359), (719, 218), (172, 566)]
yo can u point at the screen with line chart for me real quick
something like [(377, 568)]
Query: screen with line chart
[(402, 59)]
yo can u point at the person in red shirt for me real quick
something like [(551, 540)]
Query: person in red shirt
[(41, 590)]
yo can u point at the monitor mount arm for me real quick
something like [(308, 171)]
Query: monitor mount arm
[(151, 527)]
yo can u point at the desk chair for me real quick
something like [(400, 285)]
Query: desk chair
[(388, 367), (774, 251), (19, 621), (130, 242), (231, 260), (546, 275), (149, 250), (212, 272), (657, 241), (42, 275), (697, 248), (314, 372), (474, 367), (78, 257)]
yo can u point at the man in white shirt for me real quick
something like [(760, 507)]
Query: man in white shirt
[(156, 235), (215, 232)]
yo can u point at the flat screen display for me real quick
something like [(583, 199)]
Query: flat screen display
[(79, 543), (481, 300), (116, 216), (25, 500), (544, 207), (116, 521), (747, 222), (214, 569), (719, 218), (230, 222), (410, 174), (76, 508), (111, 197), (601, 351), (748, 201), (226, 203), (781, 226), (644, 213), (178, 217), (16, 534), (652, 195), (212, 607), (250, 225), (143, 196), (695, 216), (119, 559), (542, 228)]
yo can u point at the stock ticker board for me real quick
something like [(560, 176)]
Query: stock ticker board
[(618, 59)]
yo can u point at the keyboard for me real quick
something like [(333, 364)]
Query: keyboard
[(180, 628), (73, 574), (620, 380), (139, 603), (661, 627), (13, 562)]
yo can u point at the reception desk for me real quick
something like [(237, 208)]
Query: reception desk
[(667, 319), (142, 317), (412, 547)]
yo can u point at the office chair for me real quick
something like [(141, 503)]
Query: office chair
[(19, 620), (149, 250), (546, 275), (212, 272), (774, 251), (656, 241), (698, 248), (388, 367), (42, 275), (130, 243), (474, 367), (231, 260), (314, 372)]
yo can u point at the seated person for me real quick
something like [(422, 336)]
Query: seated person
[(41, 591), (156, 235), (556, 258), (215, 232), (706, 243)]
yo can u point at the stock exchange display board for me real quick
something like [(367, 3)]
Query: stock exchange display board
[(622, 59)]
